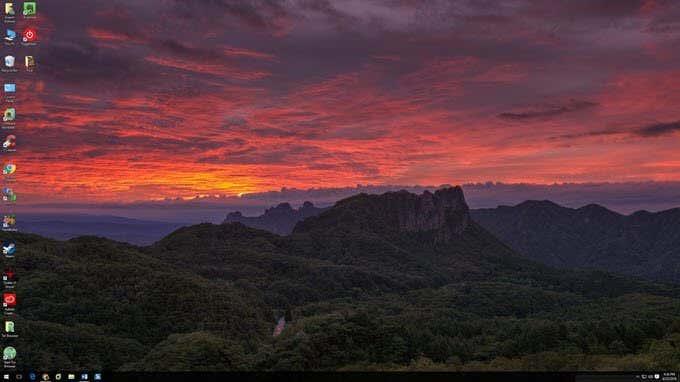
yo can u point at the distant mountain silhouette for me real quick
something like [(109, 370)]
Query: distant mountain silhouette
[(643, 244), (67, 226), (280, 219)]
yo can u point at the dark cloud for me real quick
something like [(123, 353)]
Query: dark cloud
[(82, 61), (666, 22), (659, 129), (647, 131), (261, 13), (589, 8), (340, 19), (254, 13), (365, 169), (586, 134), (279, 133), (55, 140), (95, 153), (315, 128), (242, 125), (548, 112), (181, 49), (291, 154)]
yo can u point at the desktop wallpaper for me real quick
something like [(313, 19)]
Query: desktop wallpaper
[(346, 185)]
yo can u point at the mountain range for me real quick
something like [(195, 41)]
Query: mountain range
[(280, 219), (396, 281), (643, 244)]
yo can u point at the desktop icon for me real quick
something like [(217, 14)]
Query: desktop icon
[(9, 115), (84, 377), (9, 61), (8, 275), (8, 195), (97, 376), (9, 299), (9, 222), (45, 377), (9, 326), (9, 9), (29, 62), (9, 353), (32, 376), (71, 376), (9, 248), (29, 8), (57, 377), (29, 35), (10, 35), (10, 142), (10, 88), (9, 169)]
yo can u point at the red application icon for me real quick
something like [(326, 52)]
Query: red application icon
[(29, 35), (9, 300), (8, 274)]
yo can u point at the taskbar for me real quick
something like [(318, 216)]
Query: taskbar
[(33, 376), (646, 376)]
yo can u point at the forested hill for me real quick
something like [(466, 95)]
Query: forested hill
[(643, 244), (394, 281)]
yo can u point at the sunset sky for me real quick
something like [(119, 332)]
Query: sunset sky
[(153, 99)]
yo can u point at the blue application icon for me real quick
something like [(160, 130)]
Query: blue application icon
[(97, 376), (10, 88), (10, 35), (84, 377), (9, 248), (32, 376)]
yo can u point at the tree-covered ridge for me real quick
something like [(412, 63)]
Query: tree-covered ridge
[(359, 290), (643, 244)]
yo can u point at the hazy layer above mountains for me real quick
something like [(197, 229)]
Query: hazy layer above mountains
[(63, 227), (620, 197)]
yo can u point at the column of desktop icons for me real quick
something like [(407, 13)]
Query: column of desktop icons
[(9, 304), (8, 331), (20, 35), (27, 38)]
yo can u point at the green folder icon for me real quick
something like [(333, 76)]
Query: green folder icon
[(29, 8)]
